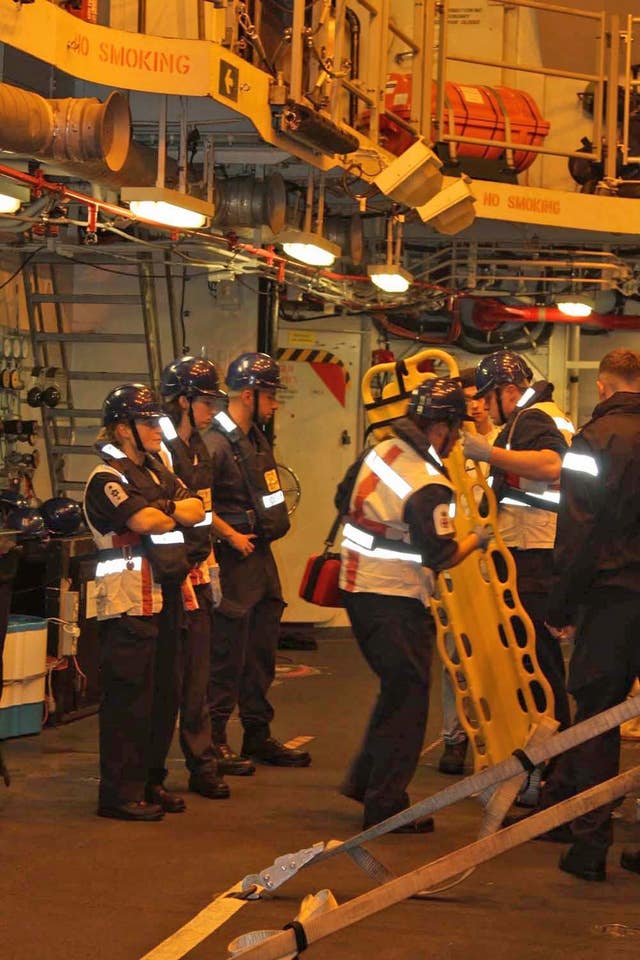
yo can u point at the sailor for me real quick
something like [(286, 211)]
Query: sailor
[(249, 514), (525, 460), (136, 510), (596, 600), (400, 532), (191, 394)]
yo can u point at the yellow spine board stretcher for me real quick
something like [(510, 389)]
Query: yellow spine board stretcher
[(484, 635)]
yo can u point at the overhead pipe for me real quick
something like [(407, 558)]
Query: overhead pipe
[(81, 137), (486, 314), (247, 202), (72, 129)]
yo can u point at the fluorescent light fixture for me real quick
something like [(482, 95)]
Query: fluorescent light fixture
[(390, 278), (576, 306), (413, 178), (12, 195), (8, 204), (451, 210), (171, 208), (309, 248)]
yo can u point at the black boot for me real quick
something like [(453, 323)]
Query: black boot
[(585, 862), (230, 763), (630, 860), (137, 810), (209, 784), (453, 757), (157, 793), (271, 751)]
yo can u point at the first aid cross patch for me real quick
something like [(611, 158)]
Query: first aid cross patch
[(442, 521)]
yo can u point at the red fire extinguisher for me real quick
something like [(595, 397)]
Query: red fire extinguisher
[(84, 9)]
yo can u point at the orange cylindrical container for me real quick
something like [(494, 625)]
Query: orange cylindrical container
[(488, 113), (493, 113)]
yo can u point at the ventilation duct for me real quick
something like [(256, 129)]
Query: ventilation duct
[(62, 131), (247, 202), (348, 233)]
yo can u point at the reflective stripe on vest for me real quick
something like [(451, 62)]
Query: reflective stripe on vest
[(580, 463), (273, 499), (173, 536), (106, 567), (548, 500), (533, 493), (388, 475), (358, 540)]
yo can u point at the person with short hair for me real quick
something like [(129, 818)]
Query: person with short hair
[(191, 394), (398, 534), (525, 462), (250, 512), (596, 600)]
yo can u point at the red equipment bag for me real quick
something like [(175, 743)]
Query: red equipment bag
[(320, 580)]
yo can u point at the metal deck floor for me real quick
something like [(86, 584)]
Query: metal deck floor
[(77, 887)]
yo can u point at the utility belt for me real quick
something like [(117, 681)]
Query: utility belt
[(244, 521), (360, 540)]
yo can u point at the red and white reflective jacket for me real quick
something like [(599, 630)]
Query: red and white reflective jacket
[(124, 578), (376, 552)]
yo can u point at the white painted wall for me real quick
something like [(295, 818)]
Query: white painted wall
[(310, 427)]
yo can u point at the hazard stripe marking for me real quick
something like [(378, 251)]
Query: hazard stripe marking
[(304, 355)]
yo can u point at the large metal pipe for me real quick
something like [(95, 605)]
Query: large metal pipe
[(140, 169), (485, 314), (69, 130), (247, 202)]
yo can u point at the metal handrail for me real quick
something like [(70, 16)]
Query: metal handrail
[(629, 83), (439, 124)]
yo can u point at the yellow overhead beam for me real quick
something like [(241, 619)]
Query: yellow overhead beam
[(160, 65), (204, 68), (554, 208)]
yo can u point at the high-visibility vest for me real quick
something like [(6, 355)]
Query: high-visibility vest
[(376, 551), (130, 566), (528, 508)]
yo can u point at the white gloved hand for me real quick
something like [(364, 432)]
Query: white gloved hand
[(216, 589), (475, 447), (484, 534)]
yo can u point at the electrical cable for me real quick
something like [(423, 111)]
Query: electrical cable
[(26, 260), (181, 312)]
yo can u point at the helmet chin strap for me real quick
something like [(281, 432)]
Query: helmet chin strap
[(191, 418), (503, 419), (136, 436), (256, 405)]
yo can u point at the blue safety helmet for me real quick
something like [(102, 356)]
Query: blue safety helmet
[(10, 499), (131, 401), (501, 367), (439, 399), (191, 377), (257, 371), (62, 516), (28, 522)]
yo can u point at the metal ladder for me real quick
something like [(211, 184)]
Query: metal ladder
[(67, 351)]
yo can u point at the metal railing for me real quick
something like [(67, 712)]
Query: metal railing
[(441, 127), (631, 84)]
